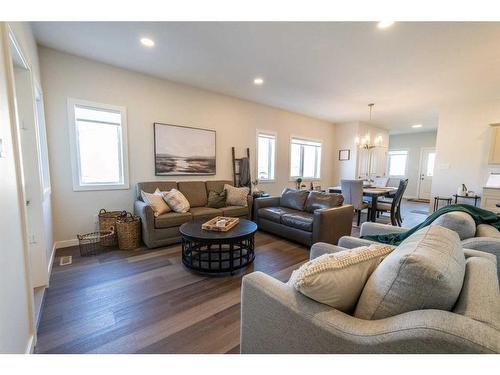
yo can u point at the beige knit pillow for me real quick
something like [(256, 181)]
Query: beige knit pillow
[(236, 196), (156, 202), (338, 279), (177, 201)]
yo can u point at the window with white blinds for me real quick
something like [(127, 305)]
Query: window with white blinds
[(266, 155), (98, 146), (305, 158)]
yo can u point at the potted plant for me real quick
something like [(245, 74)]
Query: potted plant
[(254, 184), (299, 182)]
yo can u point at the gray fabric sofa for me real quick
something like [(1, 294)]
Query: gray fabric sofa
[(164, 229), (482, 237), (305, 217), (275, 318)]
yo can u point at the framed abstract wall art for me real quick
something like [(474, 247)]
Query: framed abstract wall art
[(182, 150)]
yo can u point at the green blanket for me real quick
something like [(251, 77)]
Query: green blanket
[(479, 215)]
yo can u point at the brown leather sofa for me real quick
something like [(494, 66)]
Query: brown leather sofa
[(305, 217), (164, 229)]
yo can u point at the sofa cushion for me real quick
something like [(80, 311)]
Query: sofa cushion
[(294, 199), (172, 219), (236, 196), (156, 202), (460, 222), (235, 211), (426, 271), (317, 200), (486, 230), (274, 213), (151, 186), (216, 199), (337, 279), (217, 185), (204, 212), (300, 220), (176, 201), (194, 191), (480, 296)]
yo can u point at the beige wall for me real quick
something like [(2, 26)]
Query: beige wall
[(462, 144), (413, 143), (345, 139), (147, 100)]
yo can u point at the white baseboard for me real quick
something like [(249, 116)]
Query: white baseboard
[(65, 243), (51, 260)]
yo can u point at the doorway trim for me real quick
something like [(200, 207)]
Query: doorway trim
[(420, 169), (9, 41)]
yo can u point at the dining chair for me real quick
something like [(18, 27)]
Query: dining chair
[(352, 190), (380, 181), (394, 207)]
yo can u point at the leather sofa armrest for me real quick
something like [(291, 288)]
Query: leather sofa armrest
[(330, 224), (266, 202)]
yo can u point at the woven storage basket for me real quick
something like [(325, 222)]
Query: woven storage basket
[(91, 243), (128, 228), (107, 221)]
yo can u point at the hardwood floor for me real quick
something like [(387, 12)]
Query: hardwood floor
[(145, 301)]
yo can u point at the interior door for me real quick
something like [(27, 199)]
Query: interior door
[(378, 162), (32, 187), (427, 159), (363, 163)]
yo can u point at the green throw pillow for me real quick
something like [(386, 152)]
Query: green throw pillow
[(216, 200)]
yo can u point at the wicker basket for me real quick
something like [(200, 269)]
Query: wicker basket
[(92, 243), (107, 220), (128, 229)]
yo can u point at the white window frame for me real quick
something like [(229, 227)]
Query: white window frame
[(389, 162), (75, 160), (298, 137), (268, 133)]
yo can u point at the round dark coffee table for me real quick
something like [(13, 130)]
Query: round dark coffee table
[(212, 252)]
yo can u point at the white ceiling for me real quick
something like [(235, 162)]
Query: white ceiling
[(326, 70)]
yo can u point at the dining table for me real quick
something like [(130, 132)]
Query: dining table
[(374, 192)]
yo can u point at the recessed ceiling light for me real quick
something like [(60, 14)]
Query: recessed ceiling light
[(258, 81), (147, 42), (416, 126), (385, 24)]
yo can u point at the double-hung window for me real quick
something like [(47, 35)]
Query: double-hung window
[(266, 155), (98, 140), (397, 160), (305, 158)]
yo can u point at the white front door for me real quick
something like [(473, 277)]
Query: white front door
[(427, 159)]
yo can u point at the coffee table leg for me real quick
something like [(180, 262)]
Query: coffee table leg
[(373, 213), (231, 259)]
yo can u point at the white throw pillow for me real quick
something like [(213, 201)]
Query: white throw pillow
[(177, 201), (156, 202), (338, 279), (236, 196)]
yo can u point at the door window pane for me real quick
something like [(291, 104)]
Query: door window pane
[(431, 158)]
